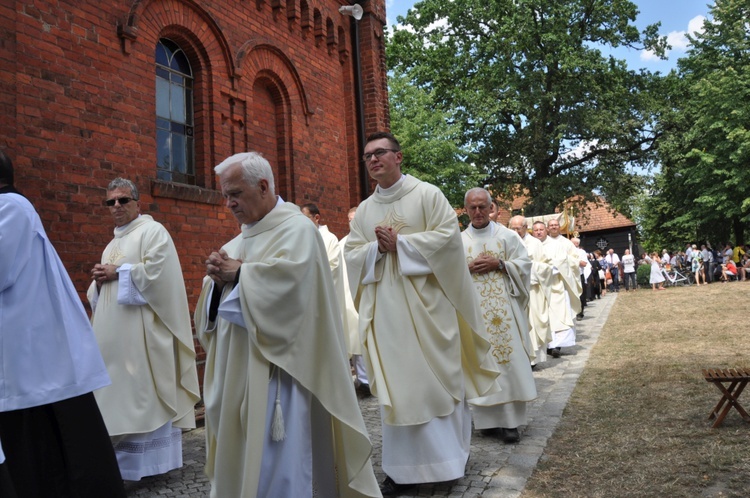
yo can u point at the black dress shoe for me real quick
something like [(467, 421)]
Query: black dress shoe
[(389, 487), (511, 436), (364, 390), (554, 352)]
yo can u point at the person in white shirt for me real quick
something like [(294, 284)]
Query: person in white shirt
[(628, 269)]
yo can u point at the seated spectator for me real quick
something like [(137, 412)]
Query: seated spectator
[(744, 269), (728, 271)]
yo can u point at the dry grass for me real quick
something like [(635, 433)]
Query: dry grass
[(636, 422)]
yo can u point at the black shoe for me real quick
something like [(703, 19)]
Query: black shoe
[(495, 431), (389, 487), (579, 316), (511, 436), (555, 352), (364, 390)]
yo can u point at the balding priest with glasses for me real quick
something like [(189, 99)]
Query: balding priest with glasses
[(142, 324), (425, 343)]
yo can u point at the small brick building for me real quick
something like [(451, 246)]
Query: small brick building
[(160, 91), (596, 224)]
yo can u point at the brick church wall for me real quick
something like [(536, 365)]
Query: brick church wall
[(77, 95)]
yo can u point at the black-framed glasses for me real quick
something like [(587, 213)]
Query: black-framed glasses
[(121, 200), (377, 153)]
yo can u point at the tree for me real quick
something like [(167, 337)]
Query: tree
[(540, 109), (430, 140), (706, 148)]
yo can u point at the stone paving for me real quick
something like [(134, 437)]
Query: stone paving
[(494, 470)]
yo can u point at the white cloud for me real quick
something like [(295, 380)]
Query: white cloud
[(648, 55), (678, 39), (696, 24)]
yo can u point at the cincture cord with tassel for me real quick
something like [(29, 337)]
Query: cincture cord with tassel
[(278, 433)]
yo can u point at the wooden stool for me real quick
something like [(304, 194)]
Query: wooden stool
[(737, 379)]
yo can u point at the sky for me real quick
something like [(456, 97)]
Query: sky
[(677, 18)]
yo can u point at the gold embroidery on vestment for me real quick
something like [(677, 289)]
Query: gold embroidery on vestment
[(494, 301), (393, 220)]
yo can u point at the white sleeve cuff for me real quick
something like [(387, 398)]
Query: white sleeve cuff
[(127, 293), (410, 261), (373, 256), (231, 310), (94, 298)]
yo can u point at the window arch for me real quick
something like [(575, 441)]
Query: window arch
[(175, 147)]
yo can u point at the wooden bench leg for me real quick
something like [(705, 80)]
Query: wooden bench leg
[(729, 399)]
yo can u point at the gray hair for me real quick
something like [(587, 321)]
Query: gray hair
[(520, 218), (477, 190), (254, 168), (124, 183)]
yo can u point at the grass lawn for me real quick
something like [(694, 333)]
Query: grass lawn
[(636, 424)]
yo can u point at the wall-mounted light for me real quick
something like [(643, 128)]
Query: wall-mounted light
[(352, 10)]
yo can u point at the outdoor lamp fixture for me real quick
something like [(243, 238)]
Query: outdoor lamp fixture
[(352, 10), (356, 11)]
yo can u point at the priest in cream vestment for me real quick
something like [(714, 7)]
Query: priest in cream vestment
[(142, 324), (282, 418), (335, 262), (425, 344), (564, 302), (500, 268), (351, 323), (541, 281)]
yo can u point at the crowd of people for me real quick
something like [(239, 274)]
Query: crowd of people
[(444, 327)]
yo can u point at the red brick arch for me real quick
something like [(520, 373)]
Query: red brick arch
[(147, 19), (257, 56)]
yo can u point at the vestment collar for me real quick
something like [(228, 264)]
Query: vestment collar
[(406, 184), (126, 229)]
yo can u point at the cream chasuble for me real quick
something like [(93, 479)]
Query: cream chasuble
[(566, 259), (542, 280), (292, 319), (148, 349), (425, 342), (351, 317), (561, 294), (336, 262), (504, 300)]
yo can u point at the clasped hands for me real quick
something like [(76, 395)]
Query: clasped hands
[(484, 263), (221, 268), (386, 238), (103, 273)]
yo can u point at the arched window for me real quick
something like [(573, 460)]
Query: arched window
[(175, 154)]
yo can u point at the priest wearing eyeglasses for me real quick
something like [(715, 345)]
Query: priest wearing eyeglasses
[(142, 324), (425, 343)]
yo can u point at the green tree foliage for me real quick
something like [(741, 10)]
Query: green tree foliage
[(540, 109), (703, 191), (430, 140)]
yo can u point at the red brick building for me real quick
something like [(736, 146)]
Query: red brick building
[(160, 91)]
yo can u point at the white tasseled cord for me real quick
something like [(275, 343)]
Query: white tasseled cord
[(278, 433)]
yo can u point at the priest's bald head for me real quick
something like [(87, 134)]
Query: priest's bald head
[(247, 186)]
